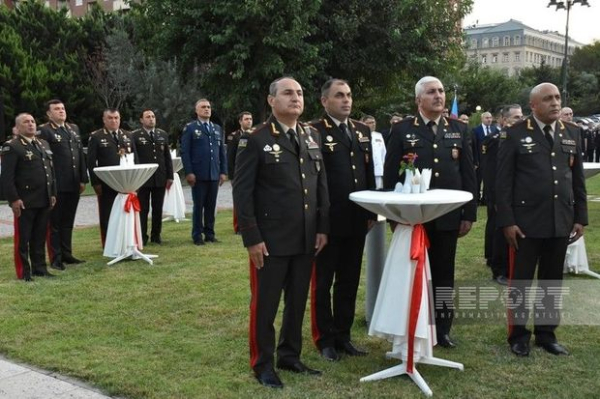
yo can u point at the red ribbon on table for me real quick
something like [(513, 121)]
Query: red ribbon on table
[(418, 251), (132, 202)]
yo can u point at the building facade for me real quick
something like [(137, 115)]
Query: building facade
[(511, 46), (78, 8)]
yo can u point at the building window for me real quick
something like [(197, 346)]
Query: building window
[(484, 59), (517, 56), (506, 41), (494, 58), (495, 41), (517, 40), (473, 43), (485, 43), (505, 57)]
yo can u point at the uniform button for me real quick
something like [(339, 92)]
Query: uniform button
[(351, 153), (303, 176), (436, 174), (276, 159), (301, 160), (305, 191), (73, 166), (553, 154), (555, 196), (305, 206), (355, 180), (523, 202), (353, 167), (554, 168), (555, 182), (435, 146), (436, 160)]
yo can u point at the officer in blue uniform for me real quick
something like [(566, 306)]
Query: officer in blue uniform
[(205, 163)]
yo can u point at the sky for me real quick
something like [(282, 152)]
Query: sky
[(584, 22)]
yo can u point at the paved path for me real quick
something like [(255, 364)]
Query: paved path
[(19, 381), (87, 211), (25, 382)]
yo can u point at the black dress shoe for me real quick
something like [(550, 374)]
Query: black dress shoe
[(349, 349), (27, 278), (554, 347), (57, 265), (520, 349), (70, 260), (298, 367), (211, 239), (269, 378), (329, 353), (500, 280), (199, 242), (446, 342), (43, 274), (156, 240)]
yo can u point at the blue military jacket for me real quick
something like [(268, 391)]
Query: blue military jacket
[(203, 151)]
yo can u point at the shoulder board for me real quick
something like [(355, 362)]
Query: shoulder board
[(5, 147), (358, 123), (71, 125), (159, 130), (572, 124), (259, 128), (458, 120), (44, 125), (96, 132)]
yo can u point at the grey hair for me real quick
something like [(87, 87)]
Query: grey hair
[(20, 116), (275, 83), (420, 86), (201, 101), (486, 113)]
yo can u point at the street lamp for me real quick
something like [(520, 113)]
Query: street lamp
[(566, 5)]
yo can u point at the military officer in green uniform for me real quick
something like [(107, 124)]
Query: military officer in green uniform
[(444, 146), (71, 177), (280, 193), (541, 202), (29, 186)]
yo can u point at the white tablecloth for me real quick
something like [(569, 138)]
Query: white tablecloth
[(123, 233), (174, 205), (391, 314), (576, 260)]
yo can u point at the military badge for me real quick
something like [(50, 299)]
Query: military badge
[(571, 160), (267, 148), (331, 146), (329, 138), (29, 155), (312, 145), (529, 127), (528, 139), (276, 147), (455, 153), (243, 143), (162, 147), (198, 133), (58, 137), (484, 149)]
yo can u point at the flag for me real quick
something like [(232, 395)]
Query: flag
[(454, 111)]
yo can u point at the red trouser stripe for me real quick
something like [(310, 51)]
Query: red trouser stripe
[(18, 260), (511, 269), (316, 334), (49, 242), (235, 222), (252, 324)]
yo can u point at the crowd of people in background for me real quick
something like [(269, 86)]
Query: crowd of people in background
[(291, 185)]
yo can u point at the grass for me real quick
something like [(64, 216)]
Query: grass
[(178, 329)]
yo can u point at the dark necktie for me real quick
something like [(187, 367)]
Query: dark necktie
[(346, 131), (487, 128), (430, 125), (151, 133), (293, 139), (547, 129), (207, 127), (115, 137)]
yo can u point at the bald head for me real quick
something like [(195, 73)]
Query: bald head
[(566, 114), (545, 101), (25, 125)]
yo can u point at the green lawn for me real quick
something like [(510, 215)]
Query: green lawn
[(178, 329)]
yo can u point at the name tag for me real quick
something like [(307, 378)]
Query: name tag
[(452, 135)]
